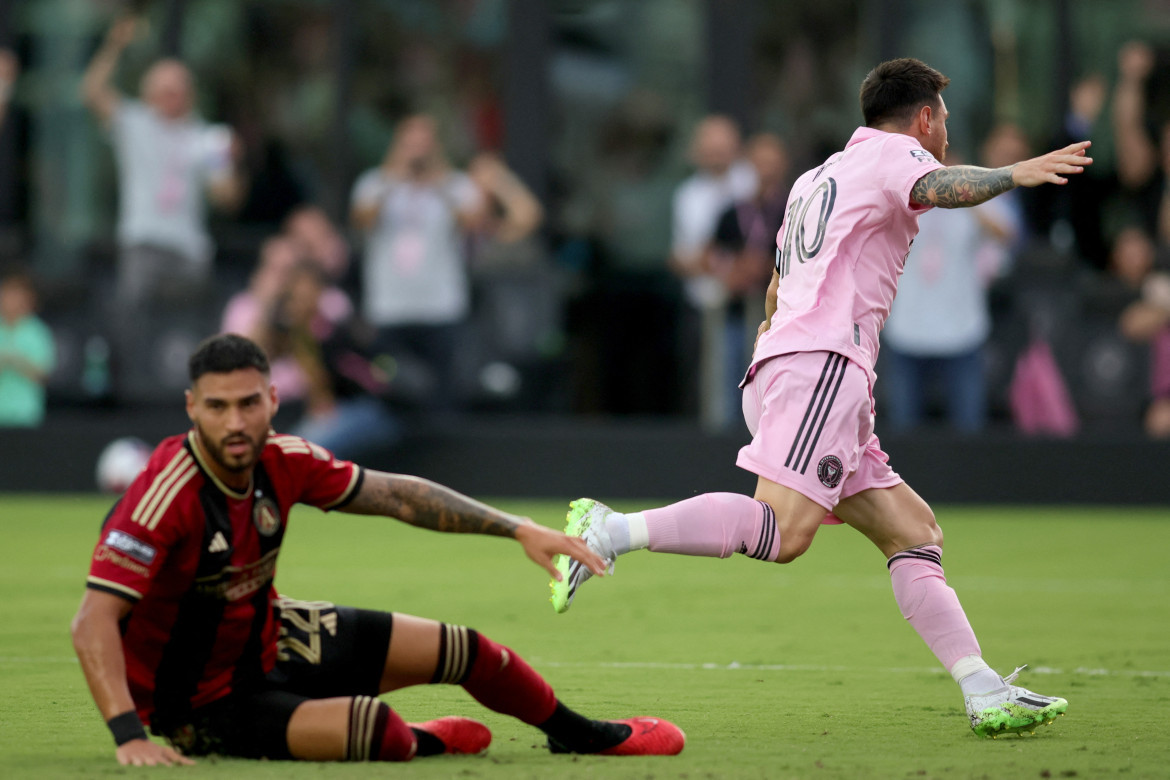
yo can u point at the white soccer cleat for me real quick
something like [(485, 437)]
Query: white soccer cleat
[(1011, 709), (586, 519)]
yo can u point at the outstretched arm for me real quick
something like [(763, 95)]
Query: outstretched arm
[(970, 185), (1136, 155), (425, 504), (96, 87)]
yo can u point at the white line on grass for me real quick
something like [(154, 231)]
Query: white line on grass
[(736, 666)]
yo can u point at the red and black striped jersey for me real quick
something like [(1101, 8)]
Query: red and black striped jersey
[(198, 559)]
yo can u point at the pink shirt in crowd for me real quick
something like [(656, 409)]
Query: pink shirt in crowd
[(242, 315), (847, 229)]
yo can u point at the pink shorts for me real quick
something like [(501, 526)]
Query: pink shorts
[(811, 419)]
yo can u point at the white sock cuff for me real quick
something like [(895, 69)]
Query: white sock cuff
[(639, 533), (967, 666)]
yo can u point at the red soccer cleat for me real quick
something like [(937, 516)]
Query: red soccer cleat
[(459, 735), (650, 737)]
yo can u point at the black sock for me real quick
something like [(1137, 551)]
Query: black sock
[(569, 732), (428, 743)]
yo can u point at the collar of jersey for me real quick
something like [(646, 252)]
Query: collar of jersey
[(227, 491)]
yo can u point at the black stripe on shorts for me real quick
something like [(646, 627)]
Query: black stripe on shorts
[(816, 413)]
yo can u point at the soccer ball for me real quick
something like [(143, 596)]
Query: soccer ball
[(120, 463)]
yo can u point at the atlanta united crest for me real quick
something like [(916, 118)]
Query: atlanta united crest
[(830, 471), (266, 516)]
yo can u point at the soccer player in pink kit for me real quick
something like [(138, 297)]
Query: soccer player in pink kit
[(808, 395)]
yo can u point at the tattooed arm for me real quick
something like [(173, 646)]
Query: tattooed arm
[(961, 185), (970, 185), (425, 504)]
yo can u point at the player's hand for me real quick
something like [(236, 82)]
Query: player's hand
[(143, 752), (542, 545), (123, 31), (1052, 167)]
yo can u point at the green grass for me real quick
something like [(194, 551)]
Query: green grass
[(831, 682)]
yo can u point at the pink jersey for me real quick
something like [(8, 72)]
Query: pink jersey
[(840, 251)]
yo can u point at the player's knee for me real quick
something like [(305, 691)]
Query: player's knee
[(377, 733), (929, 528), (937, 533), (793, 545)]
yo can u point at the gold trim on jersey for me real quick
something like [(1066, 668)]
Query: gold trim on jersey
[(211, 474), (157, 499), (114, 586), (345, 495), (293, 445)]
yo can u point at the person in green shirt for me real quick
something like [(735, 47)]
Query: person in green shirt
[(26, 353)]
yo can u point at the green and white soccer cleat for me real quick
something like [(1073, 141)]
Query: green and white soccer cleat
[(1012, 710), (586, 519)]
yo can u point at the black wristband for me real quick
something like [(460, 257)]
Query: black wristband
[(126, 727)]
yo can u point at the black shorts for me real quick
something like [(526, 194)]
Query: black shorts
[(324, 651)]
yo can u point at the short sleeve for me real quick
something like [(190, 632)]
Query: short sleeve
[(464, 192), (38, 347), (132, 546), (149, 521), (128, 116), (369, 189), (904, 165), (321, 480), (214, 149)]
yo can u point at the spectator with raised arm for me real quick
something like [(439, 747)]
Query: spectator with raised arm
[(168, 160), (416, 211), (512, 214), (1140, 136)]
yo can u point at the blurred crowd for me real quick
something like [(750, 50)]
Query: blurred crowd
[(368, 319)]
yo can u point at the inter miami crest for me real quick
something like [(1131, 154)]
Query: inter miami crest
[(830, 471)]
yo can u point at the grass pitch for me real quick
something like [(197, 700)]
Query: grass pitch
[(800, 671)]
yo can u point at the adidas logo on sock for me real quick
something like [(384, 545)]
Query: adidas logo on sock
[(218, 543)]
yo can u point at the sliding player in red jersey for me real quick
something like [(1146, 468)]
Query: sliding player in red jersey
[(181, 628)]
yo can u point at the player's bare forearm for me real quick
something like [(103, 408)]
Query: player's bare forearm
[(770, 305), (98, 643), (969, 185), (961, 185), (770, 299), (425, 504)]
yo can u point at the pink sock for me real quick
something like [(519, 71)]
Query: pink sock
[(715, 525), (930, 605)]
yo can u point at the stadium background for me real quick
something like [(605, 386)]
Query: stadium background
[(315, 87)]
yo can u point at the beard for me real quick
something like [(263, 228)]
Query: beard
[(233, 463)]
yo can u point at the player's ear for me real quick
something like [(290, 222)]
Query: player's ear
[(274, 397), (923, 119), (190, 404)]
